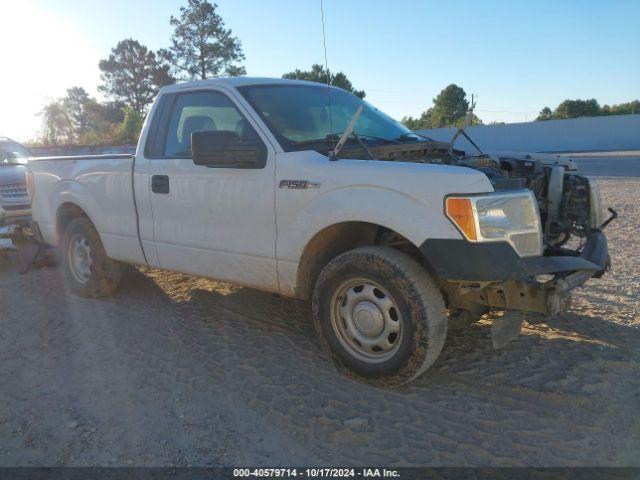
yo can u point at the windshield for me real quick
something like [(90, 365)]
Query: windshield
[(13, 154), (299, 115)]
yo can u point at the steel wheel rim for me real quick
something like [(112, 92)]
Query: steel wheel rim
[(366, 320), (80, 261)]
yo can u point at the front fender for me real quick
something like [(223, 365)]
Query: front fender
[(392, 209)]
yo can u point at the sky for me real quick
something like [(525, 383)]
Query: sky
[(516, 56)]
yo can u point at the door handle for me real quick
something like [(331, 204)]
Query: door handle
[(160, 184)]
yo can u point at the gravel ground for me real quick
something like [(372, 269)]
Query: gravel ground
[(175, 370)]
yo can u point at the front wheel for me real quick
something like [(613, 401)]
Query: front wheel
[(88, 270), (380, 314)]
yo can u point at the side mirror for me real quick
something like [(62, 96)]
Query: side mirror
[(225, 149)]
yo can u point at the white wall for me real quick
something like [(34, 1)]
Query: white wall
[(618, 132)]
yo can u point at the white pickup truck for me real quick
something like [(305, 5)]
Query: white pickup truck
[(308, 191)]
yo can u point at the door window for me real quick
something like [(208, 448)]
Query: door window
[(204, 111)]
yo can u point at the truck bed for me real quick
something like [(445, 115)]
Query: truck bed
[(102, 186)]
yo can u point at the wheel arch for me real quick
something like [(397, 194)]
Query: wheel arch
[(339, 238), (67, 212), (70, 200)]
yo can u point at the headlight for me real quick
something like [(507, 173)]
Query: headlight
[(511, 217), (595, 204)]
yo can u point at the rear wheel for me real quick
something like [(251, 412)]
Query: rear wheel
[(88, 270), (380, 314)]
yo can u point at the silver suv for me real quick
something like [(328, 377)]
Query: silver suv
[(14, 200)]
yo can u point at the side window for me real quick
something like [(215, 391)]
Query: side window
[(204, 111)]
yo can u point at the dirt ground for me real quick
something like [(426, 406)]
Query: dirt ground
[(175, 370)]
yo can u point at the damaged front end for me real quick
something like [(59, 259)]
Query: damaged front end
[(539, 285), (571, 249), (574, 249)]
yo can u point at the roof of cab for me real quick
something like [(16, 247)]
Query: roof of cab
[(234, 82)]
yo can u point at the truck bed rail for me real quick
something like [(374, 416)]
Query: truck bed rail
[(82, 157)]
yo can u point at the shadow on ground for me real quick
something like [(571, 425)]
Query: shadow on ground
[(565, 392)]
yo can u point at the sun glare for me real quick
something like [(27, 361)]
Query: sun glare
[(42, 55)]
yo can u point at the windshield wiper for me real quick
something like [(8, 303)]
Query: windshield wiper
[(332, 138), (344, 138), (461, 131), (407, 136), (314, 141), (357, 137), (380, 139), (346, 134)]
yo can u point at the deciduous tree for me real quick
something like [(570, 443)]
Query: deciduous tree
[(588, 108), (75, 106), (56, 125), (129, 129), (545, 114), (449, 109), (80, 119), (577, 108), (319, 74), (103, 120), (622, 108)]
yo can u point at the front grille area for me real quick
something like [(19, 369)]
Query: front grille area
[(15, 191), (11, 208)]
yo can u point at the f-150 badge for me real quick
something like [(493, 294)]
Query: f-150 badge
[(299, 184)]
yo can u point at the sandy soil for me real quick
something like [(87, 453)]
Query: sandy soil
[(177, 370)]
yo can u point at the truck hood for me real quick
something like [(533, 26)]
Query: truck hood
[(505, 169), (11, 174), (438, 152)]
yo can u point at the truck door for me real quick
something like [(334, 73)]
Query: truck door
[(213, 222)]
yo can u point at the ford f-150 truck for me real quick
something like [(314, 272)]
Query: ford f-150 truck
[(307, 191)]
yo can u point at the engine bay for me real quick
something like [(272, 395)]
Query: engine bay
[(569, 203)]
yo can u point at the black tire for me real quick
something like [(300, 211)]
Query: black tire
[(405, 285), (102, 275)]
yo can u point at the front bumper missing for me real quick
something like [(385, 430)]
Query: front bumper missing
[(496, 277)]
